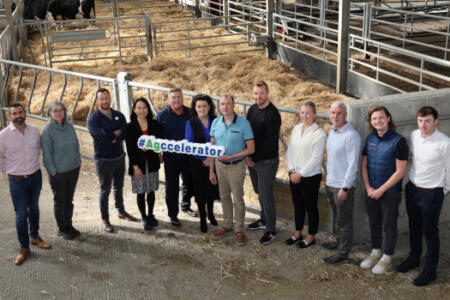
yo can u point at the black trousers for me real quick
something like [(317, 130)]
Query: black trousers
[(110, 173), (383, 215), (173, 168), (204, 190), (424, 209), (63, 188), (304, 196)]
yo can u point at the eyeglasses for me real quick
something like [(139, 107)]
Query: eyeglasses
[(57, 110)]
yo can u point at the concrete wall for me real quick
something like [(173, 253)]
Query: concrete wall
[(403, 108)]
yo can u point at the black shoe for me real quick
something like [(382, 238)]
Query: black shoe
[(153, 221), (175, 222), (330, 245), (267, 238), (257, 225), (148, 226), (67, 235), (291, 240), (75, 231), (303, 244), (407, 265), (336, 259), (212, 220), (107, 226), (190, 212), (424, 278), (203, 225)]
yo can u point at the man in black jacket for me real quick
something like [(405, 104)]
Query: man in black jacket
[(263, 164), (107, 127)]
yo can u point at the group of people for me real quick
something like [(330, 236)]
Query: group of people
[(248, 142)]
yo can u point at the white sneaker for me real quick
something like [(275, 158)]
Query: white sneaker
[(382, 266), (369, 261)]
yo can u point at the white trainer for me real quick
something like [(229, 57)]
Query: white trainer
[(369, 261), (382, 266)]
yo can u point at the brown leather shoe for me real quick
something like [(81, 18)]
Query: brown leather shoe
[(107, 226), (240, 239), (221, 233), (127, 217), (22, 256), (40, 243)]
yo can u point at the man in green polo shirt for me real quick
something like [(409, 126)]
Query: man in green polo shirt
[(235, 134)]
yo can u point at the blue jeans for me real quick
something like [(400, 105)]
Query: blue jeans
[(25, 197), (424, 209)]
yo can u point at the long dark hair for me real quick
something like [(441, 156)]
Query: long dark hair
[(133, 116), (208, 99)]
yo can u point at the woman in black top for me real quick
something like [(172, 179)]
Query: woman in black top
[(197, 130), (144, 164)]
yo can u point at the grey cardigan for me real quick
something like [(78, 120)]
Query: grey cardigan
[(60, 148)]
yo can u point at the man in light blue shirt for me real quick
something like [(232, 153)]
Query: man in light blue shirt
[(235, 134), (343, 146)]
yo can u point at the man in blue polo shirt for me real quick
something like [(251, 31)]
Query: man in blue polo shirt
[(107, 127), (173, 121), (235, 134)]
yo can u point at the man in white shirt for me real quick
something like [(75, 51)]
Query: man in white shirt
[(429, 181)]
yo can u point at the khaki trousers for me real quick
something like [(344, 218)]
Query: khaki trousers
[(231, 182)]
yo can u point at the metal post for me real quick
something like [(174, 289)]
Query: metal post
[(269, 26), (12, 29), (226, 13), (125, 94), (278, 4), (148, 35), (198, 13), (367, 21), (322, 18), (342, 54), (3, 100)]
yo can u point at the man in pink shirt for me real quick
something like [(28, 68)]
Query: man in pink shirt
[(19, 158)]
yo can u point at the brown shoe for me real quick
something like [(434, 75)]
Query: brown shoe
[(22, 256), (107, 226), (40, 243), (221, 233), (127, 217), (240, 239)]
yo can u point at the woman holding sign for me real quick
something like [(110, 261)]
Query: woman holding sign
[(197, 130), (144, 164)]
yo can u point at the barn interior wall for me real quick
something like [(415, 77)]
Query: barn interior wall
[(403, 108)]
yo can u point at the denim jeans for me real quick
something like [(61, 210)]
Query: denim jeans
[(110, 172), (263, 175), (25, 197), (173, 168)]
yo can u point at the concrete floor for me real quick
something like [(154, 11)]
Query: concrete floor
[(171, 263)]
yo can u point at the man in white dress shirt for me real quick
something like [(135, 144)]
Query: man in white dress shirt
[(429, 181)]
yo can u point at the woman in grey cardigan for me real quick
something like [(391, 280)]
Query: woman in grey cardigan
[(62, 160)]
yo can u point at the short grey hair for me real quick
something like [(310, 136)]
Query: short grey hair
[(339, 103), (52, 106)]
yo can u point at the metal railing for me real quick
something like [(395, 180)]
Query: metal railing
[(75, 41), (165, 36), (48, 77), (118, 8), (409, 76)]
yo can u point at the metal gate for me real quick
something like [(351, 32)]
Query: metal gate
[(103, 38)]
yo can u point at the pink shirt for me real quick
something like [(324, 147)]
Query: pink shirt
[(19, 153)]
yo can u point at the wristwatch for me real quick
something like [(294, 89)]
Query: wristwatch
[(345, 189)]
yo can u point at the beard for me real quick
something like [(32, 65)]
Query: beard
[(19, 121)]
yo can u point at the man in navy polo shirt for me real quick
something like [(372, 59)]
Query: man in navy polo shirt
[(173, 121), (235, 134), (107, 127)]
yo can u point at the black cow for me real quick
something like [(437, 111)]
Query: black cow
[(35, 9), (68, 9)]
